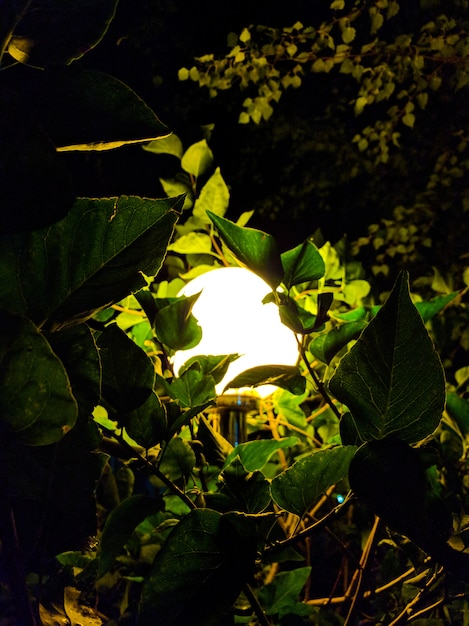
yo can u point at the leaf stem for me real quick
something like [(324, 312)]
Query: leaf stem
[(319, 384), (154, 470)]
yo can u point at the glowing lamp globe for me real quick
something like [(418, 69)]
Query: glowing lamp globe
[(234, 320)]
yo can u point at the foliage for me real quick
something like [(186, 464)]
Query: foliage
[(385, 85), (121, 499)]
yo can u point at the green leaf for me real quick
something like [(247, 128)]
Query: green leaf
[(255, 454), (392, 379), (281, 597), (120, 525), (284, 376), (175, 325), (86, 262), (76, 348), (248, 491), (300, 320), (48, 32), (253, 248), (106, 113), (147, 424), (214, 366), (36, 401), (298, 487), (458, 408), (302, 264), (325, 346), (197, 159), (192, 388), (178, 459), (198, 574), (192, 243), (431, 308), (170, 144), (214, 196), (128, 373)]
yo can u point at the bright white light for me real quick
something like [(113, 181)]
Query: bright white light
[(235, 321)]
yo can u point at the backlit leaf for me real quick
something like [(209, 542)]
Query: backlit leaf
[(302, 264), (253, 248)]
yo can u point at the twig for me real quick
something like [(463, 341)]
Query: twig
[(406, 614), (280, 545), (337, 600), (255, 605), (357, 578)]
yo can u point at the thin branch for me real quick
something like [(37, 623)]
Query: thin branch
[(255, 605), (335, 512), (357, 578)]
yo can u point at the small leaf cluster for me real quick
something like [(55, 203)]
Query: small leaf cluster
[(359, 41)]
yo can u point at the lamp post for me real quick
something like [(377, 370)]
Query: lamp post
[(234, 320)]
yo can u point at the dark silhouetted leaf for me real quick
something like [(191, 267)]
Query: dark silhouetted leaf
[(392, 379), (248, 491), (106, 113), (147, 425), (128, 373), (36, 401), (198, 573), (35, 185), (76, 348), (390, 478), (51, 32), (120, 525)]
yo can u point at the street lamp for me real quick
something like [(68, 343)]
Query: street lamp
[(234, 320)]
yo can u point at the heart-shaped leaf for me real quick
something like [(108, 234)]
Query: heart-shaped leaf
[(175, 326), (302, 264), (51, 32), (147, 424), (87, 261), (392, 379), (106, 113), (36, 401), (198, 573), (128, 373)]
